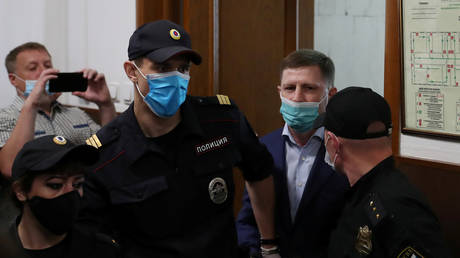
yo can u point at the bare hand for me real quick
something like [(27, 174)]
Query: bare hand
[(97, 91), (39, 98)]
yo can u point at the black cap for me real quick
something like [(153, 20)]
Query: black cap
[(350, 112), (160, 40), (45, 152)]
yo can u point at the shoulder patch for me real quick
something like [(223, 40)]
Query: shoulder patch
[(94, 141), (219, 99), (104, 136), (223, 99), (410, 252)]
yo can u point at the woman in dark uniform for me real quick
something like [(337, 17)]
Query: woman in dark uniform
[(48, 174)]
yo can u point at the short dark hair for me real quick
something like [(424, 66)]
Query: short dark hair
[(66, 166), (10, 60), (310, 57)]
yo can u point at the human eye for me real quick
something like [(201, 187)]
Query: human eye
[(184, 69), (289, 88), (54, 186), (163, 68), (77, 185), (32, 68)]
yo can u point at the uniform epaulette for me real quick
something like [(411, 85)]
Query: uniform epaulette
[(375, 210), (214, 100), (103, 136)]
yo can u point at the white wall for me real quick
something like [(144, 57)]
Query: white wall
[(352, 33), (77, 33)]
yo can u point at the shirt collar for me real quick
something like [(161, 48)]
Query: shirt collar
[(318, 135)]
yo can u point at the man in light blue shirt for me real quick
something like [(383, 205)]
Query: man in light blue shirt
[(309, 194)]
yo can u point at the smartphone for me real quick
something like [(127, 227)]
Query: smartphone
[(68, 82)]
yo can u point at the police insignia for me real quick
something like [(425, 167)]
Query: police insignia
[(410, 252), (60, 140), (364, 240), (218, 191), (212, 145), (174, 34)]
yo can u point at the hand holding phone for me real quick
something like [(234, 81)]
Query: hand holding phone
[(68, 82)]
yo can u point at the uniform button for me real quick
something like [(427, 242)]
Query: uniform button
[(303, 158), (299, 184), (200, 100)]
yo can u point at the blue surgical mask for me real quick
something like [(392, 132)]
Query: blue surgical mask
[(300, 116), (167, 92), (30, 84)]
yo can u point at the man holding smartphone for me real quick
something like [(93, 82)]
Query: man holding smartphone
[(35, 111)]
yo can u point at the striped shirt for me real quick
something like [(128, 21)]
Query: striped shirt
[(72, 123)]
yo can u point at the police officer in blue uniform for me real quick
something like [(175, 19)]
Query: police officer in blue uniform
[(164, 182)]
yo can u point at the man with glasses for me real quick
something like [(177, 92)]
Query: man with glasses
[(164, 182)]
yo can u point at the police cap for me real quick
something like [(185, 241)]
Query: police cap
[(159, 41), (350, 112), (45, 152)]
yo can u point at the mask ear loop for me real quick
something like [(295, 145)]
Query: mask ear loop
[(21, 93), (137, 85), (336, 152), (132, 62)]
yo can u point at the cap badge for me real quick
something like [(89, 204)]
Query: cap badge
[(174, 34), (364, 240), (218, 191), (59, 140)]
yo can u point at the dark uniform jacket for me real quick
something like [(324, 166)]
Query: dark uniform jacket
[(385, 216), (77, 244), (319, 208), (172, 196)]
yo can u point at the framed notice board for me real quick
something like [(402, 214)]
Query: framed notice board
[(431, 67)]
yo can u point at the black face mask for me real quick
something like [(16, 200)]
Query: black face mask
[(58, 214)]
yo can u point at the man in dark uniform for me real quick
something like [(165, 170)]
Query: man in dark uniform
[(164, 182), (384, 215)]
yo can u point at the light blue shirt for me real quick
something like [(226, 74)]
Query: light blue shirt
[(299, 161)]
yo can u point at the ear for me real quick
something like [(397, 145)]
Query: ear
[(279, 89), (130, 71), (13, 79), (332, 91), (20, 194)]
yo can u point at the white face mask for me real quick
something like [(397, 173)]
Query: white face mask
[(327, 157)]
